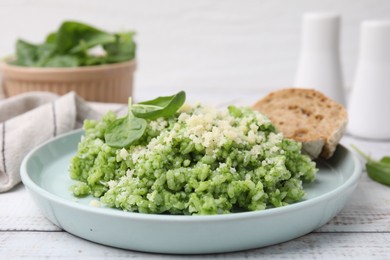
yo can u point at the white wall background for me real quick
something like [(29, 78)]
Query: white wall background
[(202, 45)]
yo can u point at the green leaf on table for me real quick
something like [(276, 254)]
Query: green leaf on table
[(159, 107), (377, 170), (385, 160)]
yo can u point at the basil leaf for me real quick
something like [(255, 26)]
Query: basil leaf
[(74, 37), (234, 111), (93, 60), (69, 47), (125, 131), (385, 160), (379, 171), (45, 52), (51, 38), (159, 107), (26, 53), (62, 61), (122, 49)]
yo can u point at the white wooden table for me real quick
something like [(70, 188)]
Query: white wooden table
[(360, 231)]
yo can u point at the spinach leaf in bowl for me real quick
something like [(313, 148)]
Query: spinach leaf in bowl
[(71, 44)]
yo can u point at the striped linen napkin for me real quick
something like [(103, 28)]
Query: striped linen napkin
[(30, 119)]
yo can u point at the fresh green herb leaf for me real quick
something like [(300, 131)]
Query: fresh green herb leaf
[(377, 170), (129, 129), (45, 52), (31, 55), (94, 60), (74, 37), (385, 160), (235, 111), (51, 38), (159, 107), (62, 61), (122, 49), (69, 46), (125, 131), (26, 53)]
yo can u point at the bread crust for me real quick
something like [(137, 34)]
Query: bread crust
[(307, 116)]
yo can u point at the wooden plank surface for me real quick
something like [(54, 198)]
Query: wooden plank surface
[(59, 245), (19, 213)]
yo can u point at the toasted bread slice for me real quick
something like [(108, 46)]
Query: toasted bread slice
[(307, 116)]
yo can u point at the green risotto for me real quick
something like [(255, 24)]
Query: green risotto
[(196, 161)]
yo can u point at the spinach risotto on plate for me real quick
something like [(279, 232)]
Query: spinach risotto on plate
[(165, 158)]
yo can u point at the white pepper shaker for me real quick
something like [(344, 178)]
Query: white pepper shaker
[(319, 65), (369, 103)]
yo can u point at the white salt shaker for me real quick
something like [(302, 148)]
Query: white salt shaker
[(369, 103), (319, 65)]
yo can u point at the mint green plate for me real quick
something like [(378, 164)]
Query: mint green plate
[(44, 172)]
